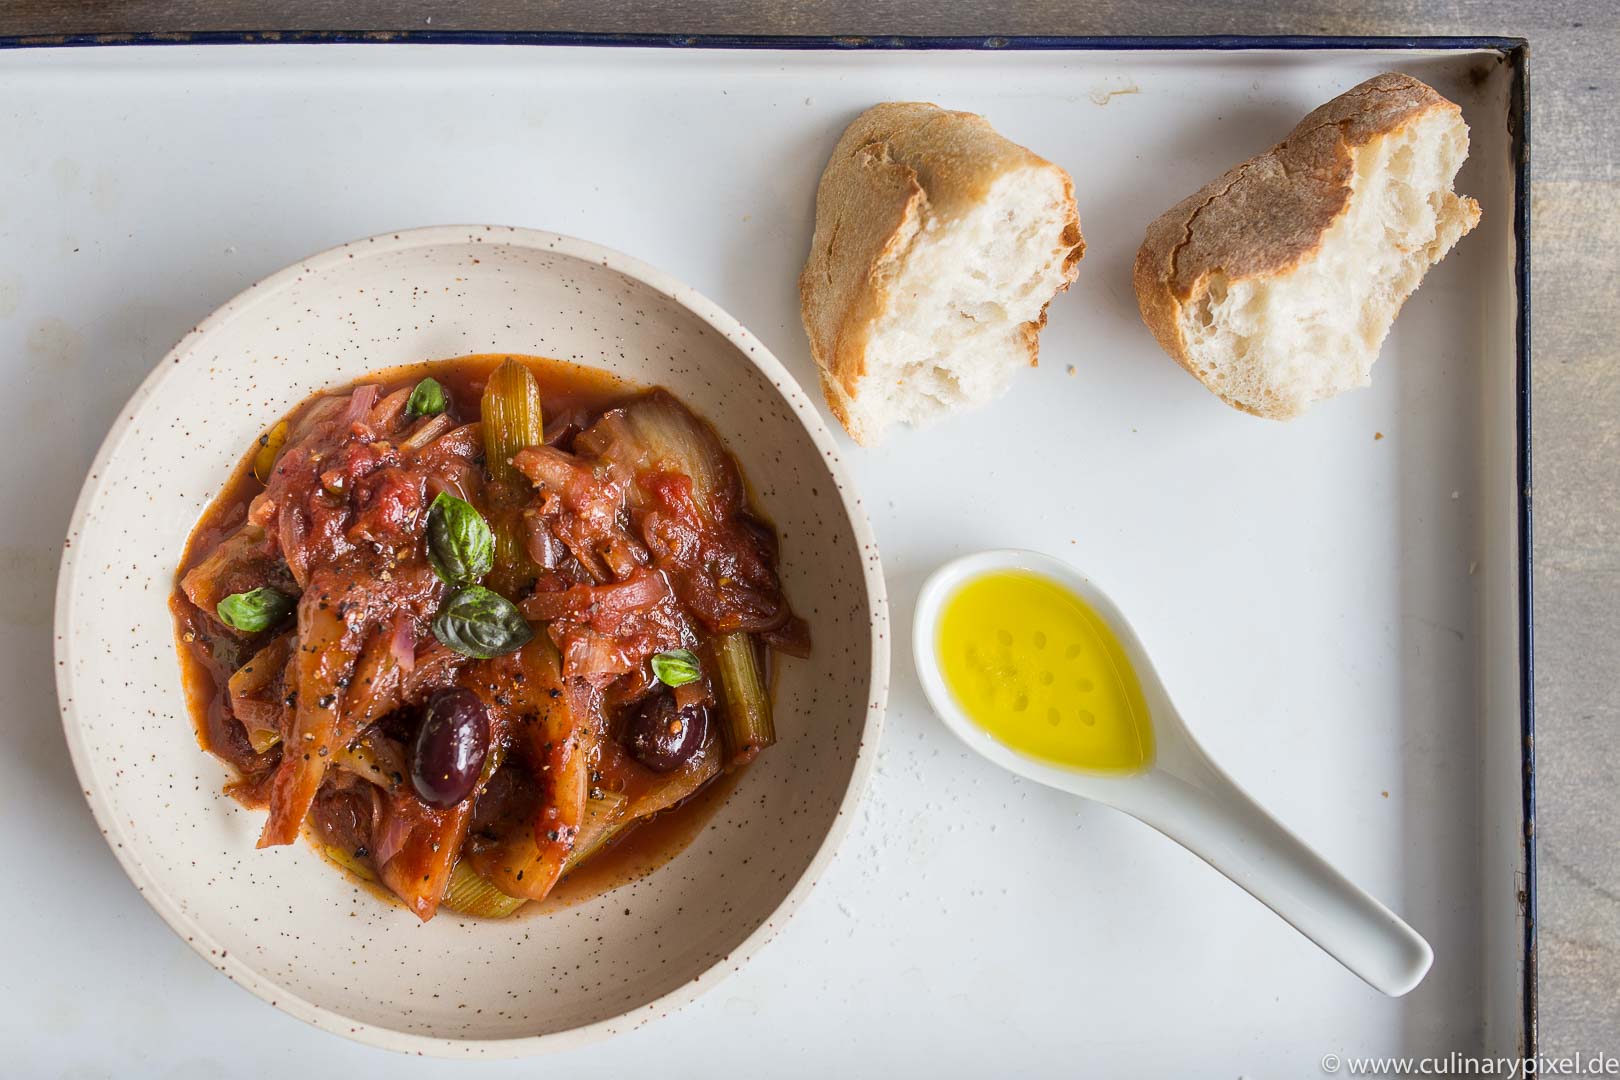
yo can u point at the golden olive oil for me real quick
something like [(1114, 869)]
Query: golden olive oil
[(1032, 664)]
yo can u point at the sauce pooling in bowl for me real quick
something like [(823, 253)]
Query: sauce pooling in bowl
[(1033, 665)]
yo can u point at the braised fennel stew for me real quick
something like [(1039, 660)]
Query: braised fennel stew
[(471, 624)]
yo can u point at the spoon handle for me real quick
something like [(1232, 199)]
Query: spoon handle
[(1203, 809)]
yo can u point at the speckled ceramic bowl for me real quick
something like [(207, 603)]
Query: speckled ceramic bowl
[(281, 922)]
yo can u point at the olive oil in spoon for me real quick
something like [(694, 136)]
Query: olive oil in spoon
[(1032, 665)]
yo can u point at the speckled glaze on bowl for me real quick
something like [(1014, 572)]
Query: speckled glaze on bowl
[(281, 922)]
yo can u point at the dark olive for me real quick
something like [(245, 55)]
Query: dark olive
[(450, 746), (663, 737)]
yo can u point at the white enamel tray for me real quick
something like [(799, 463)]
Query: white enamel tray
[(1336, 603)]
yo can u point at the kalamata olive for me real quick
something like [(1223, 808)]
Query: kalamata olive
[(450, 746), (663, 737)]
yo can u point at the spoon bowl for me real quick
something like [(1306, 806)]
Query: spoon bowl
[(1184, 794)]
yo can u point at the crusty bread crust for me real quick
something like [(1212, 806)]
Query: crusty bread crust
[(896, 167), (1268, 215)]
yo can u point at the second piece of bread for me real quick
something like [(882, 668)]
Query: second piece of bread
[(1276, 284), (938, 245)]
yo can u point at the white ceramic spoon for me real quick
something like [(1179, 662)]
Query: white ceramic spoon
[(1187, 797)]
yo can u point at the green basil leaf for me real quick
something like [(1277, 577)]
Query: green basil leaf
[(459, 544), (677, 667), (478, 623), (257, 610), (427, 399)]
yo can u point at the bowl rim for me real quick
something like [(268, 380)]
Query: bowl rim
[(803, 408)]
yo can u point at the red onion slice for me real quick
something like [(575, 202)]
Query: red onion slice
[(403, 643), (360, 402)]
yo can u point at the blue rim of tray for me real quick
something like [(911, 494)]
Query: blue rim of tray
[(1515, 52)]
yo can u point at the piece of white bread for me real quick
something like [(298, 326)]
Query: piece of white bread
[(1276, 284), (938, 245)]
